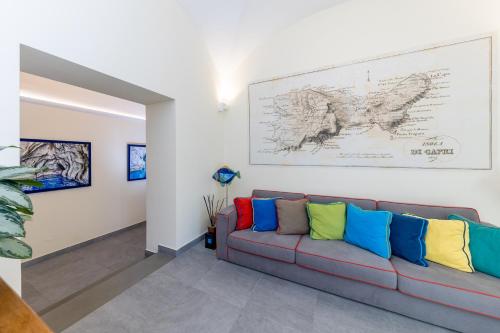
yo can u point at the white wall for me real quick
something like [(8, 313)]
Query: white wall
[(358, 30), (68, 217), (161, 203), (149, 43)]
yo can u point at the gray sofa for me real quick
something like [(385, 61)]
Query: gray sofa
[(466, 302)]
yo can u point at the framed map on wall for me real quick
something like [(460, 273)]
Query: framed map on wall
[(428, 108), (66, 164)]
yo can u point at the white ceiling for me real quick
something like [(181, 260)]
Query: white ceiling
[(233, 28), (40, 90)]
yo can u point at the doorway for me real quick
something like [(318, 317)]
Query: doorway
[(81, 259)]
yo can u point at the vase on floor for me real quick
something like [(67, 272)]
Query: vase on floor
[(210, 241)]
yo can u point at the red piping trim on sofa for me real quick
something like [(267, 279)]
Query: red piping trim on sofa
[(449, 305), (435, 206), (344, 277), (261, 255), (448, 286), (298, 243), (267, 244), (347, 262)]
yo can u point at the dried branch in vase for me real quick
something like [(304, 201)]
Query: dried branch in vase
[(213, 208)]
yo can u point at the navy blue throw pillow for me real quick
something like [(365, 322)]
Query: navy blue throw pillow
[(408, 238)]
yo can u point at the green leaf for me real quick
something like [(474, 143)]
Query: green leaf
[(28, 182), (25, 217), (13, 248), (9, 228), (17, 173), (14, 197), (11, 223), (12, 210)]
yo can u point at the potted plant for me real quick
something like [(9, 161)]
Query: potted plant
[(15, 209), (213, 208)]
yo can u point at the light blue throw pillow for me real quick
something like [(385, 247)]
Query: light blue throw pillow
[(369, 229)]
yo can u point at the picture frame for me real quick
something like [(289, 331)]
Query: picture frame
[(136, 162), (68, 164)]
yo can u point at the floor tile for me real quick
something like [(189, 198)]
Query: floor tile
[(260, 322), (38, 270), (68, 279), (65, 274), (108, 320), (195, 292), (201, 314), (189, 267), (33, 297), (135, 236), (81, 305), (284, 302), (230, 282)]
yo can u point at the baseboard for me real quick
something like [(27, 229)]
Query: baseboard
[(169, 251), (79, 245)]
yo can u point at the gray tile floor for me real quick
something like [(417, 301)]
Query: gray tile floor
[(54, 279), (195, 292)]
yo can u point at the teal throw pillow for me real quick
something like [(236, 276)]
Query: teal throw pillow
[(484, 246)]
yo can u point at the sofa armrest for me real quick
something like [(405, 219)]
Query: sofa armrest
[(226, 224)]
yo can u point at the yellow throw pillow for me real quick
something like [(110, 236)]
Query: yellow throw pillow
[(447, 243)]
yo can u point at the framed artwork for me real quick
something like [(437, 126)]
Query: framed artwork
[(67, 164), (136, 162), (426, 108)]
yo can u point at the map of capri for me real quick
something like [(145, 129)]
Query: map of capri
[(414, 109)]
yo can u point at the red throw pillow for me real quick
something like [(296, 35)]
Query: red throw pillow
[(245, 213)]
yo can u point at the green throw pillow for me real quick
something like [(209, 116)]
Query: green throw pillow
[(327, 221), (484, 246)]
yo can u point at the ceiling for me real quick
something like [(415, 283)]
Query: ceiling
[(40, 90), (232, 29)]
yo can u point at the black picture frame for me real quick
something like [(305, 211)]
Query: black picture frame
[(129, 178), (80, 185)]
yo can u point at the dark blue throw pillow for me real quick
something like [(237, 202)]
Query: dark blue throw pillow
[(408, 238), (264, 214)]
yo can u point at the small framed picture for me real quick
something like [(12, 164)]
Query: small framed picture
[(136, 162)]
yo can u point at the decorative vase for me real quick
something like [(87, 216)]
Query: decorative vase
[(210, 241)]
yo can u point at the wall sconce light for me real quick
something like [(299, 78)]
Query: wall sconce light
[(222, 106)]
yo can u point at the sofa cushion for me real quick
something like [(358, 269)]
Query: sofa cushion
[(245, 213), (266, 244), (264, 214), (476, 292), (428, 211), (447, 243), (408, 238), (363, 203), (484, 246), (369, 229), (327, 220), (344, 260), (292, 217)]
